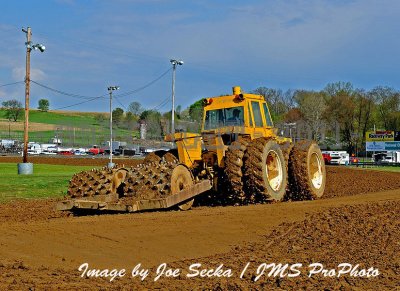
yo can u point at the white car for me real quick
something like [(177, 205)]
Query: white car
[(339, 158), (80, 153)]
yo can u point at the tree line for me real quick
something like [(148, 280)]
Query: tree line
[(339, 106)]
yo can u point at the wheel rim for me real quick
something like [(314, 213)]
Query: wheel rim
[(274, 170), (316, 171), (180, 180)]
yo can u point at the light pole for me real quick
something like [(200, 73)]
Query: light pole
[(290, 126), (110, 90), (25, 167), (174, 64)]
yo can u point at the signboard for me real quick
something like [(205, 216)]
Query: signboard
[(386, 135), (392, 146), (383, 140), (375, 146)]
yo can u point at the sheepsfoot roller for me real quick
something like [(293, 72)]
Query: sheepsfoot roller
[(151, 186)]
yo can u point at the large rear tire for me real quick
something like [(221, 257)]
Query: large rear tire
[(286, 148), (265, 170), (307, 174), (234, 171)]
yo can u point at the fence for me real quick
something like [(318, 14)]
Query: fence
[(70, 136)]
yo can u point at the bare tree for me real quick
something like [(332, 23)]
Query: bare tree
[(312, 106), (333, 89), (277, 100), (135, 108)]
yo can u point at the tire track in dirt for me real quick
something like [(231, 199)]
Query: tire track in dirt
[(39, 245), (353, 229), (72, 160), (156, 236)]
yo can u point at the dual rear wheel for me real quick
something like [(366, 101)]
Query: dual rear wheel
[(273, 172)]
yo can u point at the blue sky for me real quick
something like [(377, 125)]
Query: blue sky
[(278, 44)]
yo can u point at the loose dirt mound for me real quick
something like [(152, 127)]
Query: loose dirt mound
[(366, 234), (29, 210), (38, 251), (343, 181)]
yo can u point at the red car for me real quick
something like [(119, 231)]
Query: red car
[(327, 158), (96, 151), (66, 153)]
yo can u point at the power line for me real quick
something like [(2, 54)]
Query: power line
[(91, 98), (121, 103), (159, 106), (9, 84), (163, 103), (66, 93), (72, 105), (145, 86)]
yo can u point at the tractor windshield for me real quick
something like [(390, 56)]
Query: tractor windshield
[(217, 118)]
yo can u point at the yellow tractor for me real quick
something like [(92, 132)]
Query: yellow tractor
[(237, 156)]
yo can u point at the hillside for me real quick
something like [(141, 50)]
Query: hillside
[(74, 127), (60, 117)]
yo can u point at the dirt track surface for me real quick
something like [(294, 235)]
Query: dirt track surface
[(71, 160), (354, 225), (343, 181)]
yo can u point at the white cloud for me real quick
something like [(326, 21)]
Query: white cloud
[(36, 74)]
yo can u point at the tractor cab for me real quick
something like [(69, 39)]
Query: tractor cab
[(238, 114)]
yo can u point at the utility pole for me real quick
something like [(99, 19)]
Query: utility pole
[(25, 167), (110, 90), (28, 33), (174, 63)]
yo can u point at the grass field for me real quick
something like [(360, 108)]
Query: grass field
[(64, 118), (74, 128), (46, 182), (81, 137), (383, 168)]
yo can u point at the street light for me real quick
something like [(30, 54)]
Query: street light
[(174, 64), (290, 126), (110, 90), (25, 167)]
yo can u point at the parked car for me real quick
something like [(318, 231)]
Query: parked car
[(327, 158), (66, 153), (336, 157), (95, 150)]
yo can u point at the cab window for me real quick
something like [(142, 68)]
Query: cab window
[(257, 113), (250, 117), (267, 116), (217, 118)]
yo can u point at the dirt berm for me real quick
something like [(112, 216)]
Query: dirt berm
[(357, 223)]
